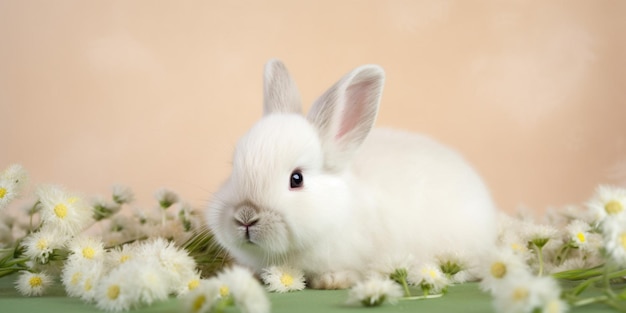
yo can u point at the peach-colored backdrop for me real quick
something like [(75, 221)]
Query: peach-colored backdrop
[(156, 93)]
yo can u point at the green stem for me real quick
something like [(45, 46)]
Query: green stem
[(405, 286), (580, 274), (540, 257), (588, 301)]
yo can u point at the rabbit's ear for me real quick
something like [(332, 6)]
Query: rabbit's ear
[(280, 94), (345, 114)]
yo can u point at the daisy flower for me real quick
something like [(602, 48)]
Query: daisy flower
[(40, 245), (578, 233), (32, 284), (118, 255), (12, 181), (375, 291), (607, 205), (203, 298), (115, 292), (555, 305), (177, 264), (454, 266), (192, 282), (430, 278), (80, 278), (248, 294), (283, 279), (122, 194), (84, 247), (62, 210), (502, 266), (526, 295), (615, 246), (166, 198)]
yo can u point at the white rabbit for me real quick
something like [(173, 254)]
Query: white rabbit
[(325, 195)]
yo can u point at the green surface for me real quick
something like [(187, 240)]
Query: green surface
[(460, 298)]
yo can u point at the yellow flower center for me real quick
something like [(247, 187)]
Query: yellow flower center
[(198, 303), (224, 291), (76, 278), (88, 285), (89, 253), (622, 240), (520, 294), (613, 207), (35, 282), (193, 284), (60, 210), (72, 200), (498, 270), (113, 292), (432, 274), (3, 192), (581, 237), (516, 247), (286, 280), (42, 244), (124, 258)]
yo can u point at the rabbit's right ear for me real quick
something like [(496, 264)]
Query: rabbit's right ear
[(280, 94)]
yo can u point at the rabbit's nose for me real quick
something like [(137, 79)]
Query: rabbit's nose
[(246, 216)]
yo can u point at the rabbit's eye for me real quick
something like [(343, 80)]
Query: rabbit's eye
[(297, 180)]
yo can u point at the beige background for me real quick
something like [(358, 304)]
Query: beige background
[(156, 93)]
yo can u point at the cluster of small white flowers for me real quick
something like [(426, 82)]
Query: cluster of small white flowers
[(129, 276), (375, 291), (574, 240), (234, 286)]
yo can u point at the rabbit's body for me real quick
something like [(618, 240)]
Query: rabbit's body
[(363, 199)]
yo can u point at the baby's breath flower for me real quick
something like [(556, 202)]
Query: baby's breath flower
[(283, 279), (86, 248), (203, 298), (248, 294), (166, 198), (39, 246), (32, 284), (374, 292), (122, 194), (62, 210)]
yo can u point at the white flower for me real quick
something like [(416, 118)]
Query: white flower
[(555, 305), (122, 194), (608, 203), (501, 266), (430, 277), (202, 298), (104, 208), (32, 284), (12, 181), (177, 264), (283, 279), (118, 255), (80, 277), (578, 233), (62, 210), (86, 248), (615, 245), (166, 198), (116, 292), (248, 294), (455, 266), (191, 283), (538, 234), (40, 245), (375, 291), (526, 294)]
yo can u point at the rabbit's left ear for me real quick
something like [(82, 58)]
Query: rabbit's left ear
[(345, 114), (280, 94)]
